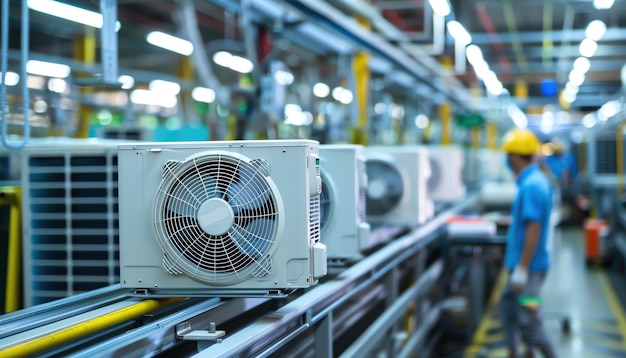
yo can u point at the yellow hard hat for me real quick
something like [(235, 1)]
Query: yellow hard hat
[(520, 141)]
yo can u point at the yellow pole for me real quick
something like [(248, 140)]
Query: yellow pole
[(492, 136), (11, 195), (186, 74), (84, 51), (360, 66), (39, 344), (445, 112), (475, 137)]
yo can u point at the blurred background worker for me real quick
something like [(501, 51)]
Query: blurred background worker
[(527, 255), (562, 165), (564, 168)]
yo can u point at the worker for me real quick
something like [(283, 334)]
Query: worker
[(527, 254), (562, 164)]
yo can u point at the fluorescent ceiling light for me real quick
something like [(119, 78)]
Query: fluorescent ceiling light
[(203, 94), (459, 33), (440, 7), (482, 69), (570, 88), (603, 4), (147, 97), (609, 109), (595, 30), (11, 78), (588, 47), (234, 62), (582, 65), (283, 78), (127, 81), (576, 78), (321, 90), (48, 69), (165, 87), (474, 54), (57, 85), (69, 12), (421, 121), (589, 121), (342, 95), (518, 116), (169, 42), (547, 122)]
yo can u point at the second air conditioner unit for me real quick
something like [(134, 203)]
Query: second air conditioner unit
[(397, 191), (446, 180), (345, 232), (238, 218)]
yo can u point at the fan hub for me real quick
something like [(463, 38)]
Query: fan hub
[(376, 189), (215, 216)]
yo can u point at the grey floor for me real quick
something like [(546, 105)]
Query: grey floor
[(583, 295)]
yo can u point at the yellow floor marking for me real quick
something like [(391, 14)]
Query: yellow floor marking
[(480, 336), (602, 327), (603, 342), (615, 305)]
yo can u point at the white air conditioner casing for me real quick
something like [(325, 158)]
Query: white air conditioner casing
[(397, 192), (446, 180), (232, 218), (487, 165), (345, 232)]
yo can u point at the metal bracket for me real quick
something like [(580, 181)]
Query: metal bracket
[(184, 331)]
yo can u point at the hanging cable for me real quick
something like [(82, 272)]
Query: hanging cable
[(4, 54)]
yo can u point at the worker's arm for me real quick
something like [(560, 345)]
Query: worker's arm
[(533, 230)]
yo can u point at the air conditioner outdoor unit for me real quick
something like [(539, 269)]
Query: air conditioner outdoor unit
[(397, 191), (69, 217), (345, 232), (232, 218), (446, 180)]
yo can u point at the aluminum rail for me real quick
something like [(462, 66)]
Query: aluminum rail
[(39, 339), (319, 303), (162, 334), (375, 333), (36, 316)]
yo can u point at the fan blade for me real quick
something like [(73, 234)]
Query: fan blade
[(247, 194), (255, 237)]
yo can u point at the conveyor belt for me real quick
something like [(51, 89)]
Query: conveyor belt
[(108, 322)]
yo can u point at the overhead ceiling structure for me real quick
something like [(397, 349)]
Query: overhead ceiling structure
[(532, 46)]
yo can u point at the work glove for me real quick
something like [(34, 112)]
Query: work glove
[(519, 278)]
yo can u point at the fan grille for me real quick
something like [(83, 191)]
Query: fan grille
[(325, 203), (192, 239), (382, 173)]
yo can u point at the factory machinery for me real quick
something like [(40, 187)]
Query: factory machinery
[(326, 286)]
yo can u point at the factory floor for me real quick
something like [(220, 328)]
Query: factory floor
[(573, 293)]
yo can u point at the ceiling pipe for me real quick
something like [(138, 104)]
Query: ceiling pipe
[(484, 17), (511, 24)]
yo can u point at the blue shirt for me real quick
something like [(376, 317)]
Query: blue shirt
[(533, 203), (558, 164)]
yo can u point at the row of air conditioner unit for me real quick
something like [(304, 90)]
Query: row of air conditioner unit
[(227, 218), (264, 217)]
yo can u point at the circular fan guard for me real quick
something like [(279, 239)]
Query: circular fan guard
[(187, 233), (382, 171), (435, 175), (325, 203)]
